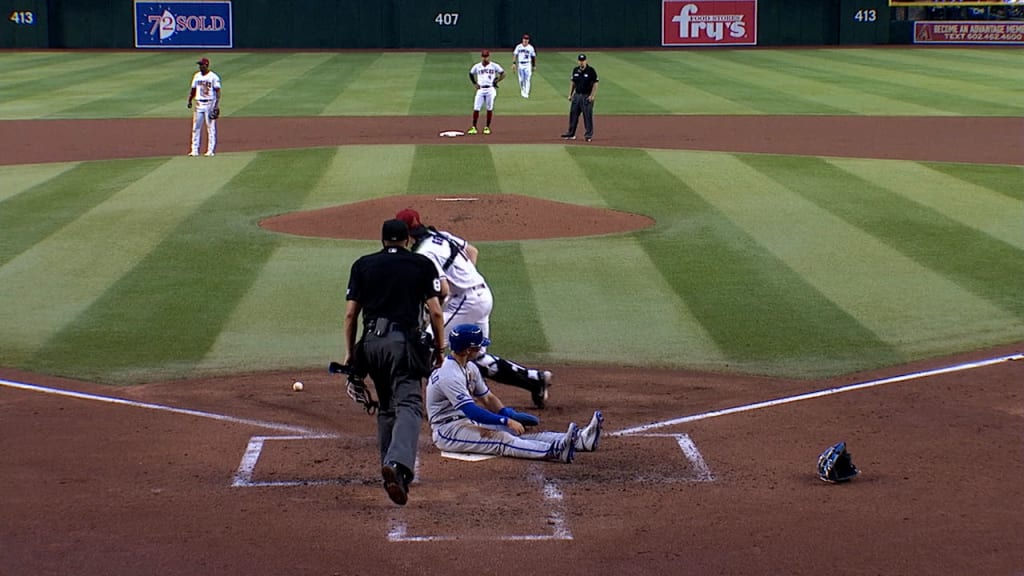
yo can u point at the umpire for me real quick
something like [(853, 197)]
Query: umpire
[(390, 288), (582, 91)]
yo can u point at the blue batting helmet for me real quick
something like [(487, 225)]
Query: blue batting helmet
[(466, 336)]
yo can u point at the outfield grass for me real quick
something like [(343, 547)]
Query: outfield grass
[(133, 270)]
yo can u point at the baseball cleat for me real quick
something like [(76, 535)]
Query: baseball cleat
[(471, 130), (209, 154), (540, 396), (589, 138), (487, 129), (564, 449), (193, 153), (568, 136), (591, 433)]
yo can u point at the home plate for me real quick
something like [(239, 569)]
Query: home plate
[(451, 133), (467, 457)]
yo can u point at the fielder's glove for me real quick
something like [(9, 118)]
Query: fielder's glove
[(521, 417), (215, 113), (356, 390), (835, 464)]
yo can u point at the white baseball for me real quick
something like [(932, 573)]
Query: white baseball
[(297, 386)]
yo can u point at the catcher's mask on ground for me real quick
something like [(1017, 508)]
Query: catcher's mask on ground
[(466, 336)]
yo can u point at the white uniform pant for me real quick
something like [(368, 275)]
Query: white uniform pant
[(472, 306), (484, 98), (201, 117), (468, 437), (525, 73)]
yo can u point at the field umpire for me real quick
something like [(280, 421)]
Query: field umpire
[(582, 91), (390, 288)]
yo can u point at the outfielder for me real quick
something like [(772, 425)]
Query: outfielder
[(206, 93), (469, 301), (524, 60), (485, 76), (466, 417)]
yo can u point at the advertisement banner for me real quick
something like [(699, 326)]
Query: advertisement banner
[(968, 32), (183, 24), (708, 22)]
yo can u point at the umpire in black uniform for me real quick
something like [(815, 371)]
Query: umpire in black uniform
[(582, 91), (391, 288)]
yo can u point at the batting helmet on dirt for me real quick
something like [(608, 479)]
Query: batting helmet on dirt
[(465, 336)]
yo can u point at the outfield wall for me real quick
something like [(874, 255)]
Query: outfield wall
[(430, 24)]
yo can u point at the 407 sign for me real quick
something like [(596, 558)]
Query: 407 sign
[(23, 17)]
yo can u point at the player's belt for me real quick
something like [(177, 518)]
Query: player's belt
[(206, 100), (450, 419)]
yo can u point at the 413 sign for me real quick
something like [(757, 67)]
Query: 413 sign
[(26, 17)]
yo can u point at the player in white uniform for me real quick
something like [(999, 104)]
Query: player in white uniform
[(468, 300), (466, 417), (485, 76), (524, 59), (205, 91)]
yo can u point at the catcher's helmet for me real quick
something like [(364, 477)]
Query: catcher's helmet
[(835, 464), (466, 336)]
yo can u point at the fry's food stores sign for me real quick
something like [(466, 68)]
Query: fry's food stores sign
[(708, 22)]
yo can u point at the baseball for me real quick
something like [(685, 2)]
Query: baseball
[(297, 386)]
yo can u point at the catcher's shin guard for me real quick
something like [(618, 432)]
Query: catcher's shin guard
[(510, 373)]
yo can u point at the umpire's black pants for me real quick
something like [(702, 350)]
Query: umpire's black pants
[(401, 401), (581, 105)]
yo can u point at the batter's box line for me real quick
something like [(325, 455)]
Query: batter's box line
[(398, 530), (247, 467)]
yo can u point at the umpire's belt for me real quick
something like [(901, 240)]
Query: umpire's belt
[(449, 419), (382, 327)]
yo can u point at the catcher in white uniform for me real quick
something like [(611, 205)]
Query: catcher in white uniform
[(468, 300), (485, 76), (466, 417), (206, 93), (524, 60)]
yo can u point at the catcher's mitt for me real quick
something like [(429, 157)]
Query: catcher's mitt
[(835, 464), (215, 113), (355, 387)]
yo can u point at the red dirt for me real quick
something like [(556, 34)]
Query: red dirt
[(91, 487)]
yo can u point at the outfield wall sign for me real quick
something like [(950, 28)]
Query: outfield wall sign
[(183, 24), (708, 22), (968, 32)]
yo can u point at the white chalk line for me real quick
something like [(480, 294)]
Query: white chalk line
[(160, 407), (818, 394), (553, 497)]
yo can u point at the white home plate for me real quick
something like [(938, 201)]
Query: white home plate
[(467, 457), (451, 133)]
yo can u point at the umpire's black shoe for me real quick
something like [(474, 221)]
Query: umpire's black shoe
[(396, 482)]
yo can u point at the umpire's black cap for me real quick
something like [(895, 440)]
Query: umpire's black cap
[(581, 57), (394, 231)]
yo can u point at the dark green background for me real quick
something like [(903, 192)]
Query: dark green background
[(385, 24)]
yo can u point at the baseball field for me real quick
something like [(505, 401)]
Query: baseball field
[(748, 226)]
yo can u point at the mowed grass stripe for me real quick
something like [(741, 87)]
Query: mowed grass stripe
[(385, 86), (168, 311), (50, 284), (360, 173), (42, 210), (452, 170), (898, 90), (766, 91), (987, 70), (268, 331), (516, 319), (604, 301), (62, 75), (679, 83), (20, 178), (884, 290), (300, 85), (1005, 180), (442, 85), (960, 208), (543, 171), (759, 313)]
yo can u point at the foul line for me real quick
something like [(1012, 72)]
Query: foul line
[(160, 407), (819, 393)]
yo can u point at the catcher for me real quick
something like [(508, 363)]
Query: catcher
[(205, 92), (835, 464), (466, 417)]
